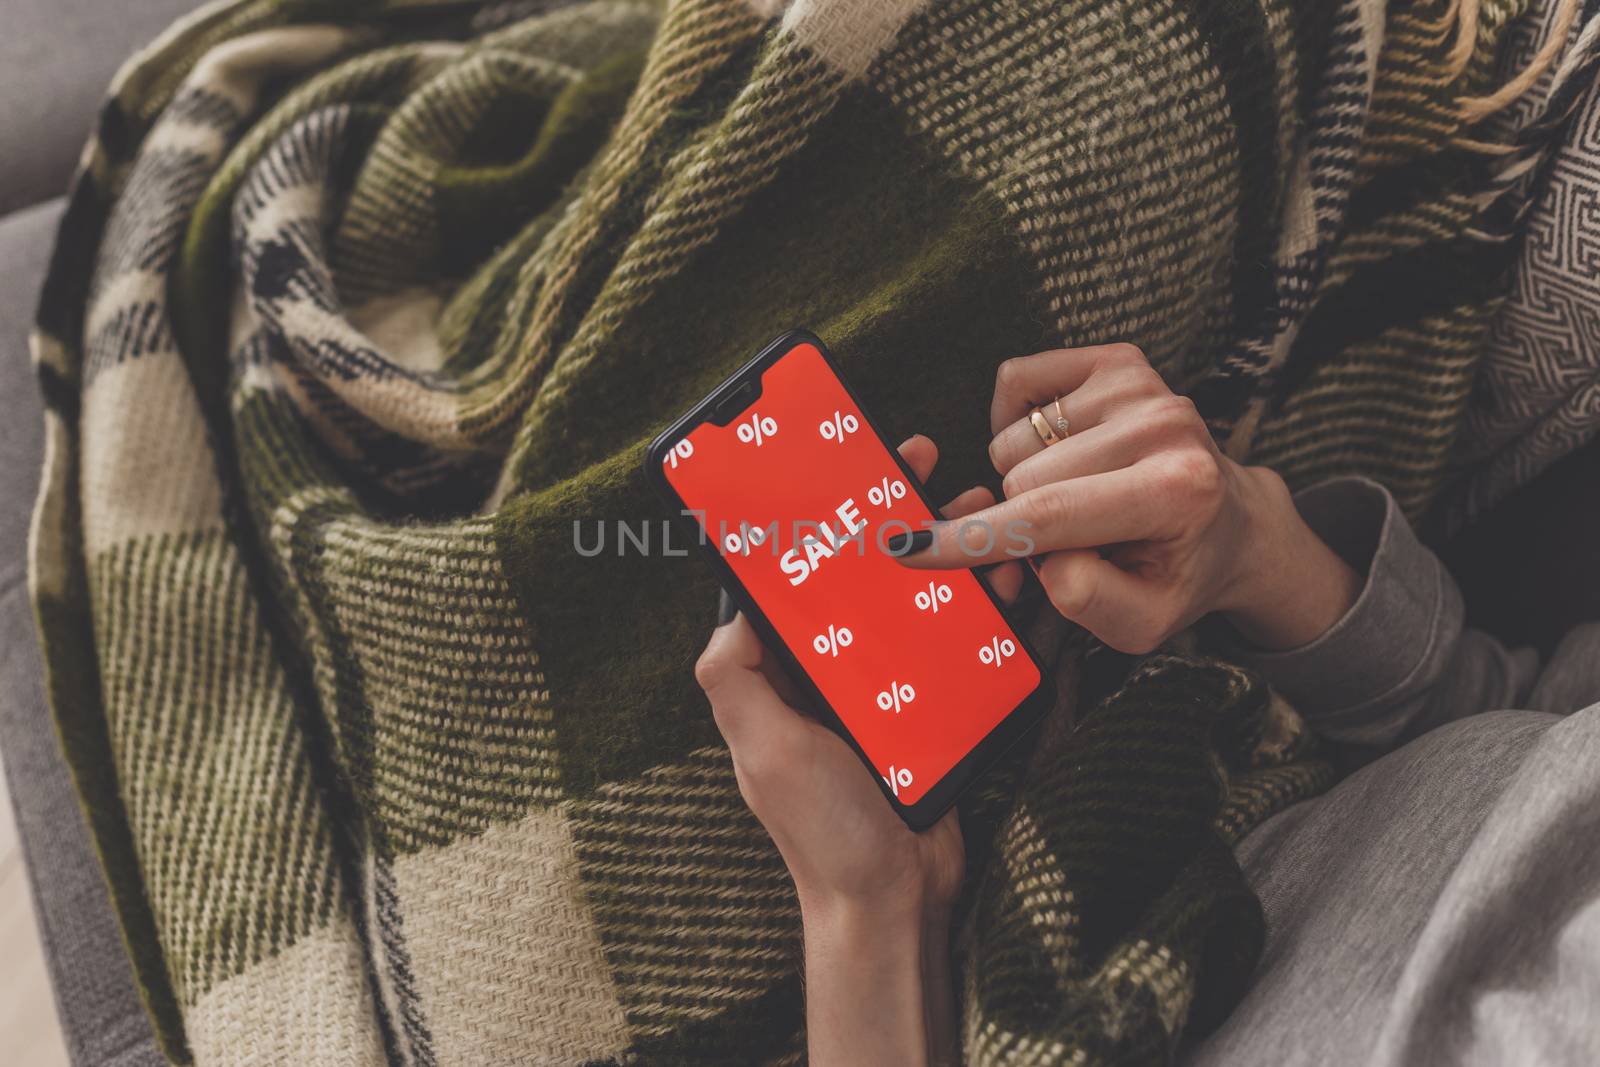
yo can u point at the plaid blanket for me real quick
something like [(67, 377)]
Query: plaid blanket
[(1538, 391), (358, 307)]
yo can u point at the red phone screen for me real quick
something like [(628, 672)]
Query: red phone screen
[(795, 493)]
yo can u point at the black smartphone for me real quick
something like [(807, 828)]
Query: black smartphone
[(792, 491)]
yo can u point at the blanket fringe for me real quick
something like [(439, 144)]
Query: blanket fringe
[(1477, 108), (1521, 161)]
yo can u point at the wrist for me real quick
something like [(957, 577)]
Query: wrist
[(863, 928), (907, 880), (904, 904), (1291, 587), (865, 984), (917, 931)]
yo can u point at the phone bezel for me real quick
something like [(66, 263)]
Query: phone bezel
[(944, 793)]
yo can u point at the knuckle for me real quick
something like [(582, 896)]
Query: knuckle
[(994, 450), (1165, 419), (709, 670), (1049, 509), (1202, 472), (1068, 597), (1181, 412), (1005, 447), (1008, 377), (1136, 383), (1015, 483), (1147, 381), (1067, 587), (1190, 472), (1126, 353)]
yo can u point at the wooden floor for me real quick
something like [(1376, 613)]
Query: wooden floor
[(29, 1030)]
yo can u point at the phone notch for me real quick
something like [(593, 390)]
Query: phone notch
[(731, 404)]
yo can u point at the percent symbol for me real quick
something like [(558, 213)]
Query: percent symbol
[(895, 696), (757, 429), (930, 598), (680, 451), (897, 779), (997, 651), (886, 492), (830, 643), (838, 426), (748, 537)]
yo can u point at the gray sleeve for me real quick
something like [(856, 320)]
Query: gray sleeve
[(1400, 662)]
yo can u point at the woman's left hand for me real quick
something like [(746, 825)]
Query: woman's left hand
[(875, 897), (843, 843)]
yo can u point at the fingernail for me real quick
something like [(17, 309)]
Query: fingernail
[(909, 543), (727, 610)]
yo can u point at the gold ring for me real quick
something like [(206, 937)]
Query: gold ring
[(1061, 420), (1042, 427)]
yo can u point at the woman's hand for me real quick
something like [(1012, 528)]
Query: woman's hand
[(874, 896), (843, 843), (844, 846), (1139, 525)]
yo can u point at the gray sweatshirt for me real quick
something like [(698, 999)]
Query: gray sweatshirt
[(1441, 905)]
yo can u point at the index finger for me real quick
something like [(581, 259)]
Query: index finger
[(747, 707), (1027, 382), (1098, 509)]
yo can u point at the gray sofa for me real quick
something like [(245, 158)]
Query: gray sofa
[(56, 58)]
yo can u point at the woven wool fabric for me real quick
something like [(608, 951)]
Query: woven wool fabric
[(1539, 392), (357, 308)]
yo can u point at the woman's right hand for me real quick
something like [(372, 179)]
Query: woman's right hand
[(1137, 523)]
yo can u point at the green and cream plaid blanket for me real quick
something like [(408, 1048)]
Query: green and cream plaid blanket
[(358, 307)]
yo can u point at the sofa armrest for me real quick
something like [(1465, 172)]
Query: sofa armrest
[(56, 60)]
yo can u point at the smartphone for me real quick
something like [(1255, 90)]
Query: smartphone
[(789, 487)]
